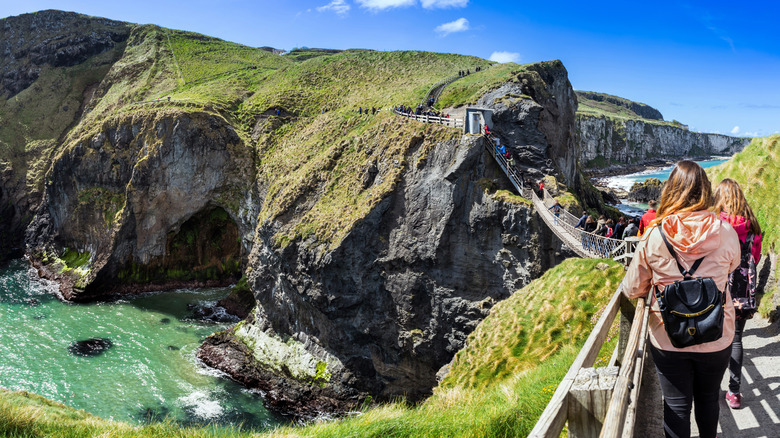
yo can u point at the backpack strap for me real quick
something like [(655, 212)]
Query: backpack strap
[(686, 273), (748, 245)]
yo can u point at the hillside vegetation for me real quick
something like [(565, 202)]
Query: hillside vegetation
[(497, 386), (614, 107), (317, 144), (757, 170)]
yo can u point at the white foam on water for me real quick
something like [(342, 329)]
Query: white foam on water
[(202, 406)]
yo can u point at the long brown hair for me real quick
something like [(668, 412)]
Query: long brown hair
[(729, 198), (688, 189)]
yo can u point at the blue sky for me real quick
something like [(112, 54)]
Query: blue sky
[(713, 65)]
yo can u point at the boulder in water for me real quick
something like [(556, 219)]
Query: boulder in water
[(90, 347)]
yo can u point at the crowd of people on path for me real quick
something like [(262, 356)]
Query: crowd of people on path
[(420, 111)]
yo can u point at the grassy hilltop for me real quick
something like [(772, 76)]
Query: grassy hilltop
[(497, 387)]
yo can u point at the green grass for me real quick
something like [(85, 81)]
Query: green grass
[(535, 322), (757, 170), (594, 108), (498, 385)]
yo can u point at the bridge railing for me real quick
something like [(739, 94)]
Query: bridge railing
[(595, 245), (446, 121), (601, 401)]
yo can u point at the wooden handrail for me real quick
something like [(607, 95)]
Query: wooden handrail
[(621, 410)]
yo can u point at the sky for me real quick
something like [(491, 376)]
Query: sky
[(712, 65)]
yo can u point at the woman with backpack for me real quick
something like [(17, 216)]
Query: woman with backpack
[(731, 206), (685, 239)]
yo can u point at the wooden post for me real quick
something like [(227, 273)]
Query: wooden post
[(626, 317), (588, 400)]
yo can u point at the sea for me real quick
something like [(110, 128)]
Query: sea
[(149, 373), (624, 182)]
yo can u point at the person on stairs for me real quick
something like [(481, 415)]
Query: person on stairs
[(731, 206)]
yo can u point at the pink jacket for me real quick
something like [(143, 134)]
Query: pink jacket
[(692, 235), (742, 227)]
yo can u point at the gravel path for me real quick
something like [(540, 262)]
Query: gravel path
[(760, 413)]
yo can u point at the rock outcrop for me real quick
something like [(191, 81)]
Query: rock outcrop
[(605, 141), (153, 201), (383, 311), (646, 191), (51, 38)]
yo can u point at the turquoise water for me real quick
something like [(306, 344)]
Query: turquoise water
[(625, 182), (149, 373)]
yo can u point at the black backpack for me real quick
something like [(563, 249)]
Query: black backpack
[(691, 308), (742, 282)]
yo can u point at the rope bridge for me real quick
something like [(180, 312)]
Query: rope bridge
[(586, 245)]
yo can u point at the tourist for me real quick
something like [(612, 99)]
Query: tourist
[(510, 160), (648, 216), (360, 110), (589, 227), (619, 227), (690, 374), (601, 226), (556, 209), (610, 225), (581, 222), (590, 224), (731, 206), (632, 229)]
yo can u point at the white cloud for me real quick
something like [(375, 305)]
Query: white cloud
[(503, 57), (751, 134), (735, 130), (459, 25), (379, 5), (441, 4), (340, 7)]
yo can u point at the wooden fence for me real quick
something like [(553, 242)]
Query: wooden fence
[(602, 402)]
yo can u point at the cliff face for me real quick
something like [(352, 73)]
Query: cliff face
[(372, 245), (50, 62), (385, 309), (389, 306), (606, 141), (533, 115), (147, 198)]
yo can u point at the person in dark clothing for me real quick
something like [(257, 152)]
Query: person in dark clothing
[(581, 222), (590, 224), (588, 227), (619, 227), (632, 229)]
